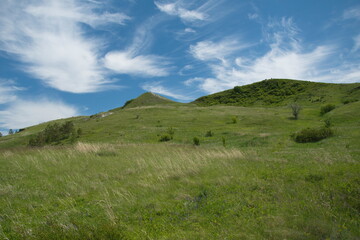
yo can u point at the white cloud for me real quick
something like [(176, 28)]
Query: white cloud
[(189, 30), (8, 91), (156, 87), (21, 113), (352, 13), (143, 65), (287, 58), (47, 37), (186, 15), (356, 43), (131, 61), (208, 50), (77, 12)]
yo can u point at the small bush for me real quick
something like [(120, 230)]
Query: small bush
[(328, 123), (165, 138), (196, 141), (327, 108), (171, 132), (347, 101), (209, 134), (295, 108), (223, 141), (234, 119), (312, 134)]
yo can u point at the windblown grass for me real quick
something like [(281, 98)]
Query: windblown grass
[(171, 191)]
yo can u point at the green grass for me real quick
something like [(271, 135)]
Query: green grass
[(120, 182), (170, 191)]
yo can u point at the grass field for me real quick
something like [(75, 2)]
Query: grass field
[(248, 180), (170, 191)]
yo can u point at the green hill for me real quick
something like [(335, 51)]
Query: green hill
[(280, 92), (147, 99), (248, 178)]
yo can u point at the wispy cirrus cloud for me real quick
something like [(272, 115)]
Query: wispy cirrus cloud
[(24, 113), (133, 61), (142, 65), (175, 9), (352, 13), (356, 43), (286, 58), (8, 91), (48, 38), (209, 50), (156, 87)]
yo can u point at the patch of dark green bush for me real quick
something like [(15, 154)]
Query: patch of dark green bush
[(105, 153), (327, 108), (55, 133), (314, 178), (223, 141), (295, 109), (234, 119), (209, 134), (351, 100), (327, 122), (312, 134), (196, 141), (171, 132), (165, 138)]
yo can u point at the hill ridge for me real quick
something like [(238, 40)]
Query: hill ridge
[(275, 92)]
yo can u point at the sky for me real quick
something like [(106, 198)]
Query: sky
[(64, 58)]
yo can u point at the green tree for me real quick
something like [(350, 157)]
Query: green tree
[(11, 131)]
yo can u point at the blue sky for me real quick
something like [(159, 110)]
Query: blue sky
[(62, 58)]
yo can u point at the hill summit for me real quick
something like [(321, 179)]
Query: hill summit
[(147, 99), (277, 92)]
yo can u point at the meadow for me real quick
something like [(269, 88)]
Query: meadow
[(248, 179)]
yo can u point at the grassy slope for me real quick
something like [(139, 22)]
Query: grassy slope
[(280, 92), (121, 182), (147, 99)]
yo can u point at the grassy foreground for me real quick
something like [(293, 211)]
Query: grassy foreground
[(176, 191)]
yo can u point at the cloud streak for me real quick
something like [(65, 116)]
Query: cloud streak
[(143, 65), (21, 113), (174, 9), (8, 91), (48, 38), (286, 58)]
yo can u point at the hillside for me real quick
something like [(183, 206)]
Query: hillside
[(281, 92), (247, 178), (147, 99)]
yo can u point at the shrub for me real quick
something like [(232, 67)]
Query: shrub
[(209, 134), (55, 133), (223, 141), (234, 119), (312, 134), (171, 132), (196, 141), (295, 108), (328, 123), (165, 138), (327, 108)]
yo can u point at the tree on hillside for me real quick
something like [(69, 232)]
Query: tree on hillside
[(0, 134), (11, 131), (295, 110)]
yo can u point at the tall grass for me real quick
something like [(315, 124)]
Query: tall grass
[(171, 191)]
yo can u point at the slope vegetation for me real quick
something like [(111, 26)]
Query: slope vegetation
[(248, 179), (147, 99), (275, 92)]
